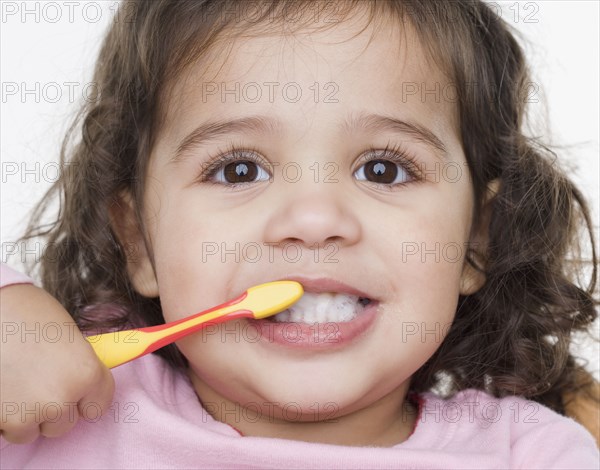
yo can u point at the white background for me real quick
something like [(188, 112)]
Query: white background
[(48, 51)]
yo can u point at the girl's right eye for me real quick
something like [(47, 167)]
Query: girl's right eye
[(236, 168)]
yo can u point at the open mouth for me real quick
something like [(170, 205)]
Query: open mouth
[(324, 307)]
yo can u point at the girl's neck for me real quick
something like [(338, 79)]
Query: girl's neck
[(387, 422)]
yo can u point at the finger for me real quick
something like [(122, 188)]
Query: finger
[(99, 397), (18, 433), (60, 421)]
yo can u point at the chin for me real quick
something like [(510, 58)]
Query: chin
[(312, 397)]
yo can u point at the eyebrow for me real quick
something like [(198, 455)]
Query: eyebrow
[(378, 122), (213, 130)]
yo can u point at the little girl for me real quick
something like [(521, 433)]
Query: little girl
[(372, 151)]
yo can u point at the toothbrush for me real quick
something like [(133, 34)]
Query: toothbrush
[(257, 302)]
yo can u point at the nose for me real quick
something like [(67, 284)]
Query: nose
[(314, 216)]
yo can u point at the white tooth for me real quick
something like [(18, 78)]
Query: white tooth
[(309, 311), (347, 311), (283, 316), (321, 313), (322, 308), (308, 316), (333, 311), (296, 315)]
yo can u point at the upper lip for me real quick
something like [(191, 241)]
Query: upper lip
[(325, 284)]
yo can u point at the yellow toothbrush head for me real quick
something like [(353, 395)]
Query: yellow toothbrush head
[(272, 297)]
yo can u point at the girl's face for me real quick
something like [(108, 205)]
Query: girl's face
[(308, 112)]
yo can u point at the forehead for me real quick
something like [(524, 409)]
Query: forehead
[(351, 66)]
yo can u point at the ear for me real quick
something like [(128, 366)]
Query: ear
[(472, 279), (139, 265)]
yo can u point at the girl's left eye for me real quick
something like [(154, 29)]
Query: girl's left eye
[(383, 172), (390, 167)]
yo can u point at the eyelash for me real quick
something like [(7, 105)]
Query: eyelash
[(233, 153)]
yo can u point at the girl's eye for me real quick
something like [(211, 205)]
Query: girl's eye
[(382, 171), (387, 167), (236, 168), (241, 171)]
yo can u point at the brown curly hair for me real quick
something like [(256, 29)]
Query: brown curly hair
[(512, 337)]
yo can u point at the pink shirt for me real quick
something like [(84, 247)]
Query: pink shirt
[(156, 421)]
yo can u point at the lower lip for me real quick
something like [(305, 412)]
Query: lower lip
[(319, 336)]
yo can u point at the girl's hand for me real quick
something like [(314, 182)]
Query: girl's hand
[(51, 377)]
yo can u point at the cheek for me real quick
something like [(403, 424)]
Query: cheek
[(427, 287), (427, 254), (190, 277), (419, 317)]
